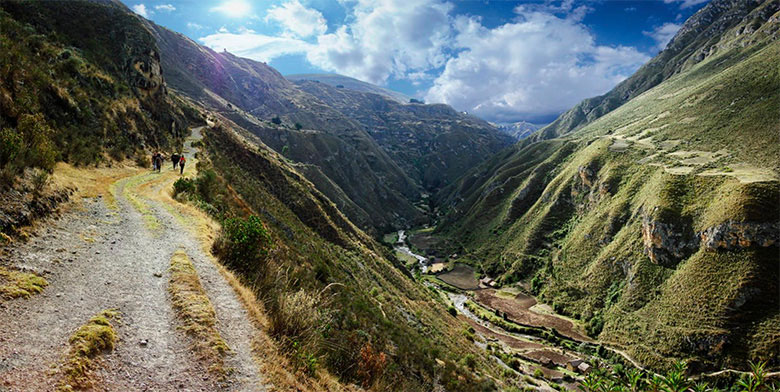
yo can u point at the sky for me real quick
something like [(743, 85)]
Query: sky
[(504, 61)]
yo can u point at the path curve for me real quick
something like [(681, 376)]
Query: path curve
[(96, 257)]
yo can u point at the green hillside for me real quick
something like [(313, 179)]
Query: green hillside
[(656, 224)]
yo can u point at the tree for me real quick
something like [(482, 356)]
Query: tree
[(276, 120)]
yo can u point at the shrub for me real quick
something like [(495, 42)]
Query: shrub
[(207, 185), (595, 325), (538, 373), (243, 242), (453, 311), (276, 120), (183, 185), (371, 366), (298, 126)]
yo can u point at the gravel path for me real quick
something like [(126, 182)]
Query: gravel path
[(96, 258)]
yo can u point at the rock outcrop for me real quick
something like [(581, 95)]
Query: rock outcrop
[(732, 235), (666, 243)]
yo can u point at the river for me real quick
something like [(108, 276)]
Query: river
[(402, 247)]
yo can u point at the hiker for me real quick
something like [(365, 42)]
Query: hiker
[(175, 159), (182, 160), (158, 161), (154, 161)]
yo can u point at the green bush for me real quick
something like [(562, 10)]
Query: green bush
[(183, 185), (207, 185), (276, 120), (243, 242)]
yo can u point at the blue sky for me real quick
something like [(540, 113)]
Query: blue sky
[(502, 60)]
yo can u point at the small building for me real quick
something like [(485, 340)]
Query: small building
[(584, 368), (572, 365), (487, 282)]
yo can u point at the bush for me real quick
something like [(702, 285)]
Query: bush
[(276, 120), (453, 311), (298, 126), (595, 325), (243, 242), (183, 185), (207, 185)]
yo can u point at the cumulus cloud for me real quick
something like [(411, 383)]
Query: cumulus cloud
[(663, 34), (537, 66), (297, 20), (165, 7), (686, 3), (140, 9), (387, 38), (541, 63)]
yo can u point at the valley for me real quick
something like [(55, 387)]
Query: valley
[(329, 234)]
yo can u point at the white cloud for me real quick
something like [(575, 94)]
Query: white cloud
[(386, 38), (194, 26), (233, 8), (663, 34), (539, 65), (297, 20), (254, 46), (542, 63), (165, 7), (140, 9), (686, 3)]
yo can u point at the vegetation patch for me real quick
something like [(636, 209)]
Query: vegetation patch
[(15, 284), (196, 313), (91, 339)]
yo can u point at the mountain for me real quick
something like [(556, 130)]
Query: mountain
[(655, 223), (337, 154), (434, 144), (700, 37), (341, 81), (333, 309), (518, 130)]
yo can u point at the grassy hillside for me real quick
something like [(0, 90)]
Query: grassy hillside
[(337, 301), (657, 224), (700, 37), (69, 92)]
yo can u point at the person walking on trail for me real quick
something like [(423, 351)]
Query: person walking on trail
[(175, 159), (158, 161), (182, 161)]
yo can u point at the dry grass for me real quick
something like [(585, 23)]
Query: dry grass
[(196, 313), (91, 339), (15, 284)]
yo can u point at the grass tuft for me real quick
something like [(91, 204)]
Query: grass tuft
[(15, 284), (196, 313), (91, 339)]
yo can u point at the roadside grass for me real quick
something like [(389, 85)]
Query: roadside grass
[(89, 340), (196, 313), (18, 284)]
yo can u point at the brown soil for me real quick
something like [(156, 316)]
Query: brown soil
[(518, 310), (462, 277)]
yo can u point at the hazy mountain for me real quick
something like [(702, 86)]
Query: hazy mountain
[(518, 130), (654, 223), (341, 81)]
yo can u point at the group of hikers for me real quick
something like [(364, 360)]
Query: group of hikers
[(176, 159)]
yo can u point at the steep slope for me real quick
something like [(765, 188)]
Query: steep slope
[(341, 81), (434, 144), (82, 101), (356, 303), (657, 223), (345, 160), (700, 37)]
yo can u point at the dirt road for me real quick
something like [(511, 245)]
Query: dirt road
[(113, 251)]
